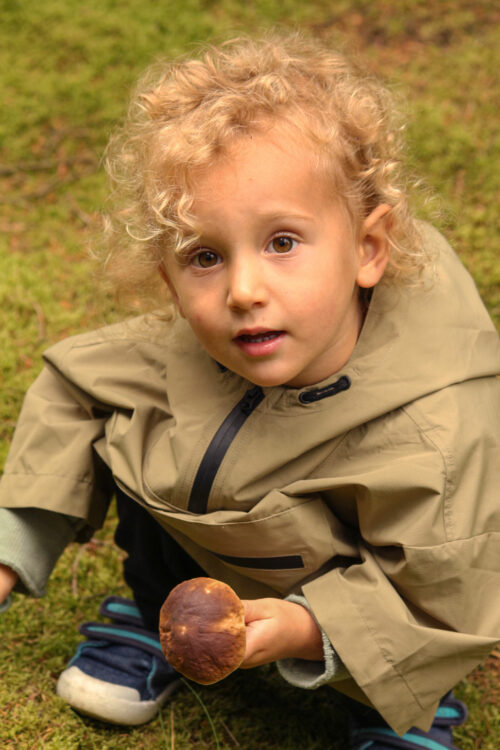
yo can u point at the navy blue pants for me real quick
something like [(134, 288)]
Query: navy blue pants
[(155, 562)]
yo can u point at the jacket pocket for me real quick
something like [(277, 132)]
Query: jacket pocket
[(281, 541)]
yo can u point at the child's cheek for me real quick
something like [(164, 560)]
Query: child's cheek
[(200, 324)]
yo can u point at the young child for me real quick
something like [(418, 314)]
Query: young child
[(318, 427)]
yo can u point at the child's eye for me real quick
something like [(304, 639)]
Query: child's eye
[(205, 259), (282, 244)]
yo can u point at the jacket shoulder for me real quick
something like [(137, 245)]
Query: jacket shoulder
[(113, 362)]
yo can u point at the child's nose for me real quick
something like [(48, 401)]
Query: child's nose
[(246, 286)]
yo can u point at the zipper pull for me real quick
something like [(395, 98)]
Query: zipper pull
[(251, 399)]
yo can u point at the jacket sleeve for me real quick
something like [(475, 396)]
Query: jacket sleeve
[(55, 461), (31, 541), (52, 463), (420, 610)]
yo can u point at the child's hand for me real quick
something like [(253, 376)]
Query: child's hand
[(277, 629), (8, 578)]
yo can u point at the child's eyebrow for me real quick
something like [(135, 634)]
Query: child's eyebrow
[(206, 230), (285, 215)]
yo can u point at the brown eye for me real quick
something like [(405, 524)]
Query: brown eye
[(206, 259), (282, 244)]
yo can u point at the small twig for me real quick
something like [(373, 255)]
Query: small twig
[(42, 192), (172, 731), (326, 24), (49, 187), (44, 165), (58, 135), (74, 570), (42, 328), (231, 735), (83, 216)]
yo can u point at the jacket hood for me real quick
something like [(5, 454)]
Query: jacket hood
[(417, 341)]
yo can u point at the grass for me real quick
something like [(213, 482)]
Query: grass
[(65, 71)]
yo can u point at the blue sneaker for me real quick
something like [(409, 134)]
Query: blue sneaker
[(365, 735), (119, 674)]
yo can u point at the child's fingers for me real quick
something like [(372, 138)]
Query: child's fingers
[(259, 642), (277, 629), (8, 579), (250, 610), (258, 609)]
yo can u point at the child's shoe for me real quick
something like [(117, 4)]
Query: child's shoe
[(376, 735), (119, 674)]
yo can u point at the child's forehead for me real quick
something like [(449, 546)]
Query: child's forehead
[(275, 151)]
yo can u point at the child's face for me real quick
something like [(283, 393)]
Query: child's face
[(271, 289)]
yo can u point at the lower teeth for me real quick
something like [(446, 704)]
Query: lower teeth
[(259, 339)]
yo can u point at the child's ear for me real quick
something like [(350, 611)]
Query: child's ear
[(374, 246), (166, 278)]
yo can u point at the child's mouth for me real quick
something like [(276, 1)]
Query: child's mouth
[(259, 344), (259, 337)]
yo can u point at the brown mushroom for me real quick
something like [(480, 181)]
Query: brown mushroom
[(202, 630)]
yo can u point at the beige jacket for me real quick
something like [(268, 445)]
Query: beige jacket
[(375, 493)]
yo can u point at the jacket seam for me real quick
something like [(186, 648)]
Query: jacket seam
[(332, 453), (448, 524), (76, 480), (245, 521), (86, 340), (455, 540)]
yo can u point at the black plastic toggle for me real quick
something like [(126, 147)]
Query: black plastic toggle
[(316, 394)]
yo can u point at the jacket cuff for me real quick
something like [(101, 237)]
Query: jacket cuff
[(31, 541), (310, 675)]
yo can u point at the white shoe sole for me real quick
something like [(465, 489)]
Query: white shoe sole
[(115, 704)]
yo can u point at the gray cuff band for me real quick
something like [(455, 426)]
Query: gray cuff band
[(312, 674), (4, 606)]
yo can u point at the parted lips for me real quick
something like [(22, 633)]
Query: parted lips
[(202, 630)]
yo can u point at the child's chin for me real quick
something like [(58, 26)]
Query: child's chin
[(266, 380)]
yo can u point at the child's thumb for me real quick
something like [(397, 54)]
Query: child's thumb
[(251, 609)]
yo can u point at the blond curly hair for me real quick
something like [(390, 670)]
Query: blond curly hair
[(183, 114)]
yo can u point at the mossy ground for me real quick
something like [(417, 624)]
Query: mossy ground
[(66, 68)]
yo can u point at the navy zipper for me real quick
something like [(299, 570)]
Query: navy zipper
[(217, 449)]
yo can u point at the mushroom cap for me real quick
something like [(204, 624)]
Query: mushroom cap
[(202, 630)]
